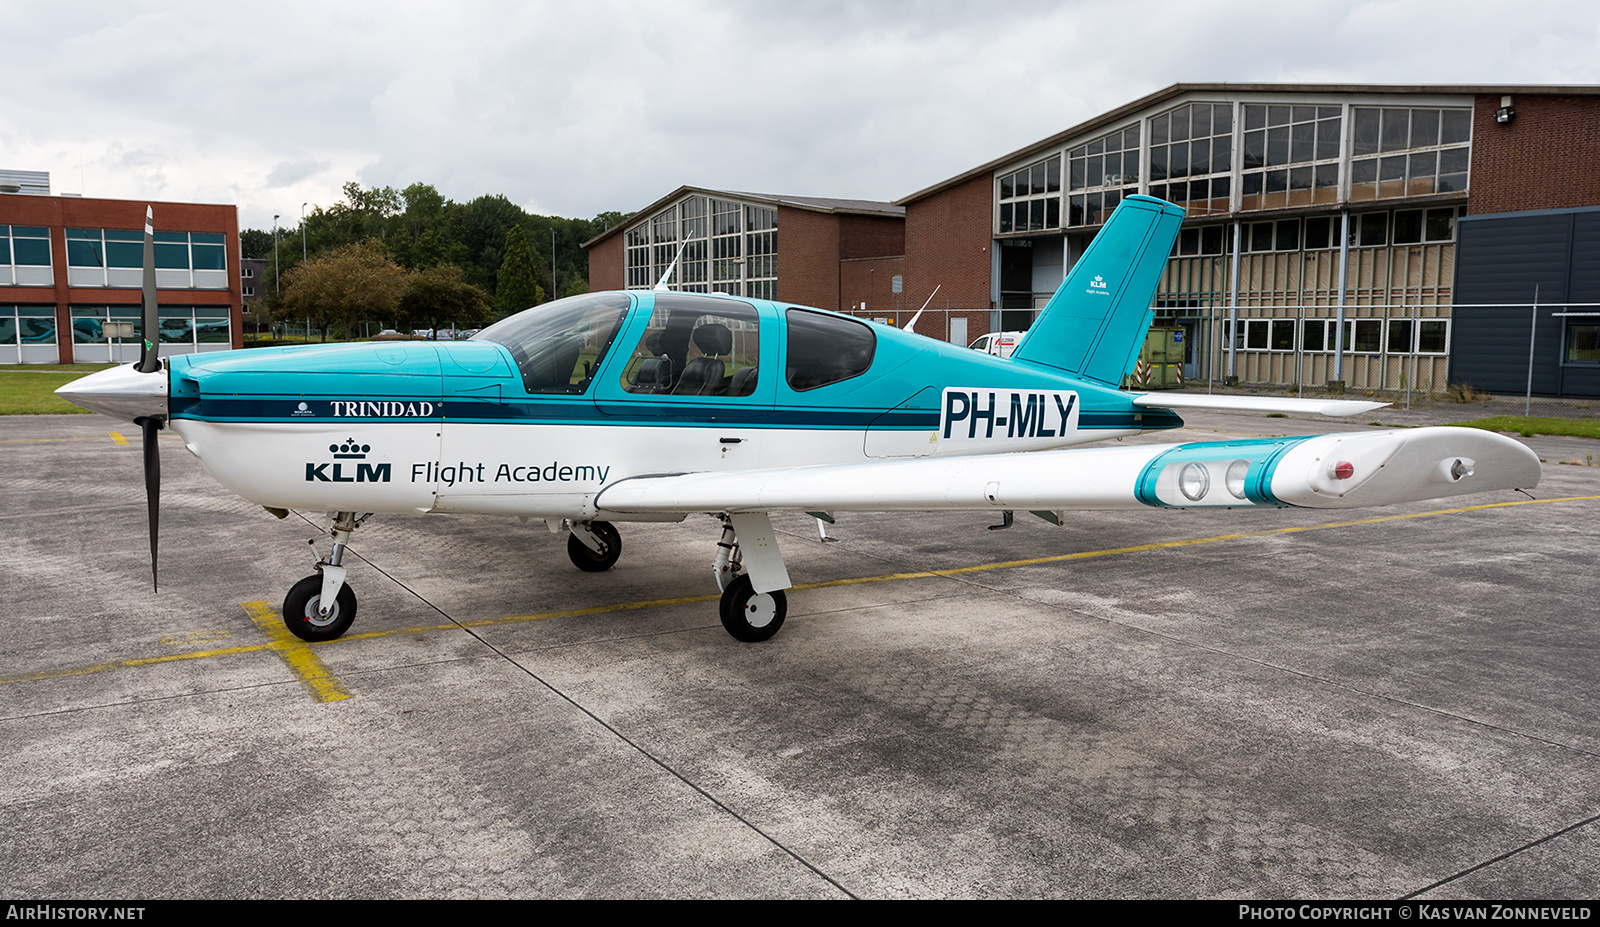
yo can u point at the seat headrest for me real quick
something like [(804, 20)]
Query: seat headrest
[(714, 338)]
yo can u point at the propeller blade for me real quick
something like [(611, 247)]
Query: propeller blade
[(152, 487), (149, 361)]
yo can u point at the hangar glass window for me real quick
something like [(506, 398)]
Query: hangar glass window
[(25, 255), (560, 345), (826, 349), (1100, 174), (1583, 341), (1396, 151), (721, 246), (761, 249), (1290, 156), (1191, 157), (1283, 235), (1030, 199), (1200, 240), (696, 346)]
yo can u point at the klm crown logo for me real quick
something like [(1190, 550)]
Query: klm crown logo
[(351, 449)]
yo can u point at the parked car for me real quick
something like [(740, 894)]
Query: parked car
[(1000, 344)]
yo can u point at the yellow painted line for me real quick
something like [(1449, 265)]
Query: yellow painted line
[(119, 439), (257, 608), (307, 667)]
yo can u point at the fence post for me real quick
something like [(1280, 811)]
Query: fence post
[(1527, 407)]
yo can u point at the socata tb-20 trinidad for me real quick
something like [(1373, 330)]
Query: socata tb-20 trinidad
[(653, 405)]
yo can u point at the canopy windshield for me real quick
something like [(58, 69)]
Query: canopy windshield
[(560, 345)]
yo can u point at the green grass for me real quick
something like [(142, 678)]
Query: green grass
[(29, 389), (80, 369), (1528, 427)]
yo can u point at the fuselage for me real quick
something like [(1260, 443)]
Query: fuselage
[(537, 416)]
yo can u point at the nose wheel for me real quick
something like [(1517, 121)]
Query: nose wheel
[(302, 611)]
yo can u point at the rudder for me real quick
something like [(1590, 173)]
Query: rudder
[(1095, 323)]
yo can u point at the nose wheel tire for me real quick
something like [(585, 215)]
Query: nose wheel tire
[(752, 616), (302, 611), (588, 560)]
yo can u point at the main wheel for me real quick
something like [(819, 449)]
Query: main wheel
[(750, 616), (301, 611), (587, 560)]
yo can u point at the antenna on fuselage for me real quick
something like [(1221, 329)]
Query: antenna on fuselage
[(911, 326), (662, 284)]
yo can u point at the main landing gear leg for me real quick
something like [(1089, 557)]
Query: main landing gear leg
[(753, 603), (321, 606)]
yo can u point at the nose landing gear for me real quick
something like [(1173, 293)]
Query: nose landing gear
[(321, 607)]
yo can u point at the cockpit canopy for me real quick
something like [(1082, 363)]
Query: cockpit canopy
[(691, 345)]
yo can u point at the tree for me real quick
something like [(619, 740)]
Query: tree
[(353, 283), (517, 285), (606, 220), (442, 294), (484, 224)]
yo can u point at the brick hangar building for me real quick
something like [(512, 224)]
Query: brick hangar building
[(1430, 218)]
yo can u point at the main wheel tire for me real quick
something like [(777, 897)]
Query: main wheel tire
[(301, 611), (750, 616), (587, 560)]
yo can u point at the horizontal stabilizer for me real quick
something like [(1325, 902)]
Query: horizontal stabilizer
[(1332, 407)]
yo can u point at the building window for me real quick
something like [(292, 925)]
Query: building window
[(115, 258), (23, 327), (726, 247), (1030, 199), (1583, 341), (177, 325), (1283, 235), (761, 248), (25, 255), (1419, 226), (1100, 174), (1291, 156), (1396, 151), (1191, 157), (1200, 240)]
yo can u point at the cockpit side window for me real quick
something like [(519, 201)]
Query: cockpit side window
[(826, 349), (560, 345), (696, 346)]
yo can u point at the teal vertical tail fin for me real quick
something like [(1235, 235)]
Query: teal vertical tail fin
[(1095, 324)]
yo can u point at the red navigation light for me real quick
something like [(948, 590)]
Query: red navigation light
[(1342, 470)]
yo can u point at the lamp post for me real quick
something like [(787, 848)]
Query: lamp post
[(277, 278), (302, 233)]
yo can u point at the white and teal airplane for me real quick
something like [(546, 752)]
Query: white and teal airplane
[(654, 405)]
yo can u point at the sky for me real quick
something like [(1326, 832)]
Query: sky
[(573, 109)]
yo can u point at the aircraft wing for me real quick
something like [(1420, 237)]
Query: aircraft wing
[(1324, 471), (1255, 403)]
